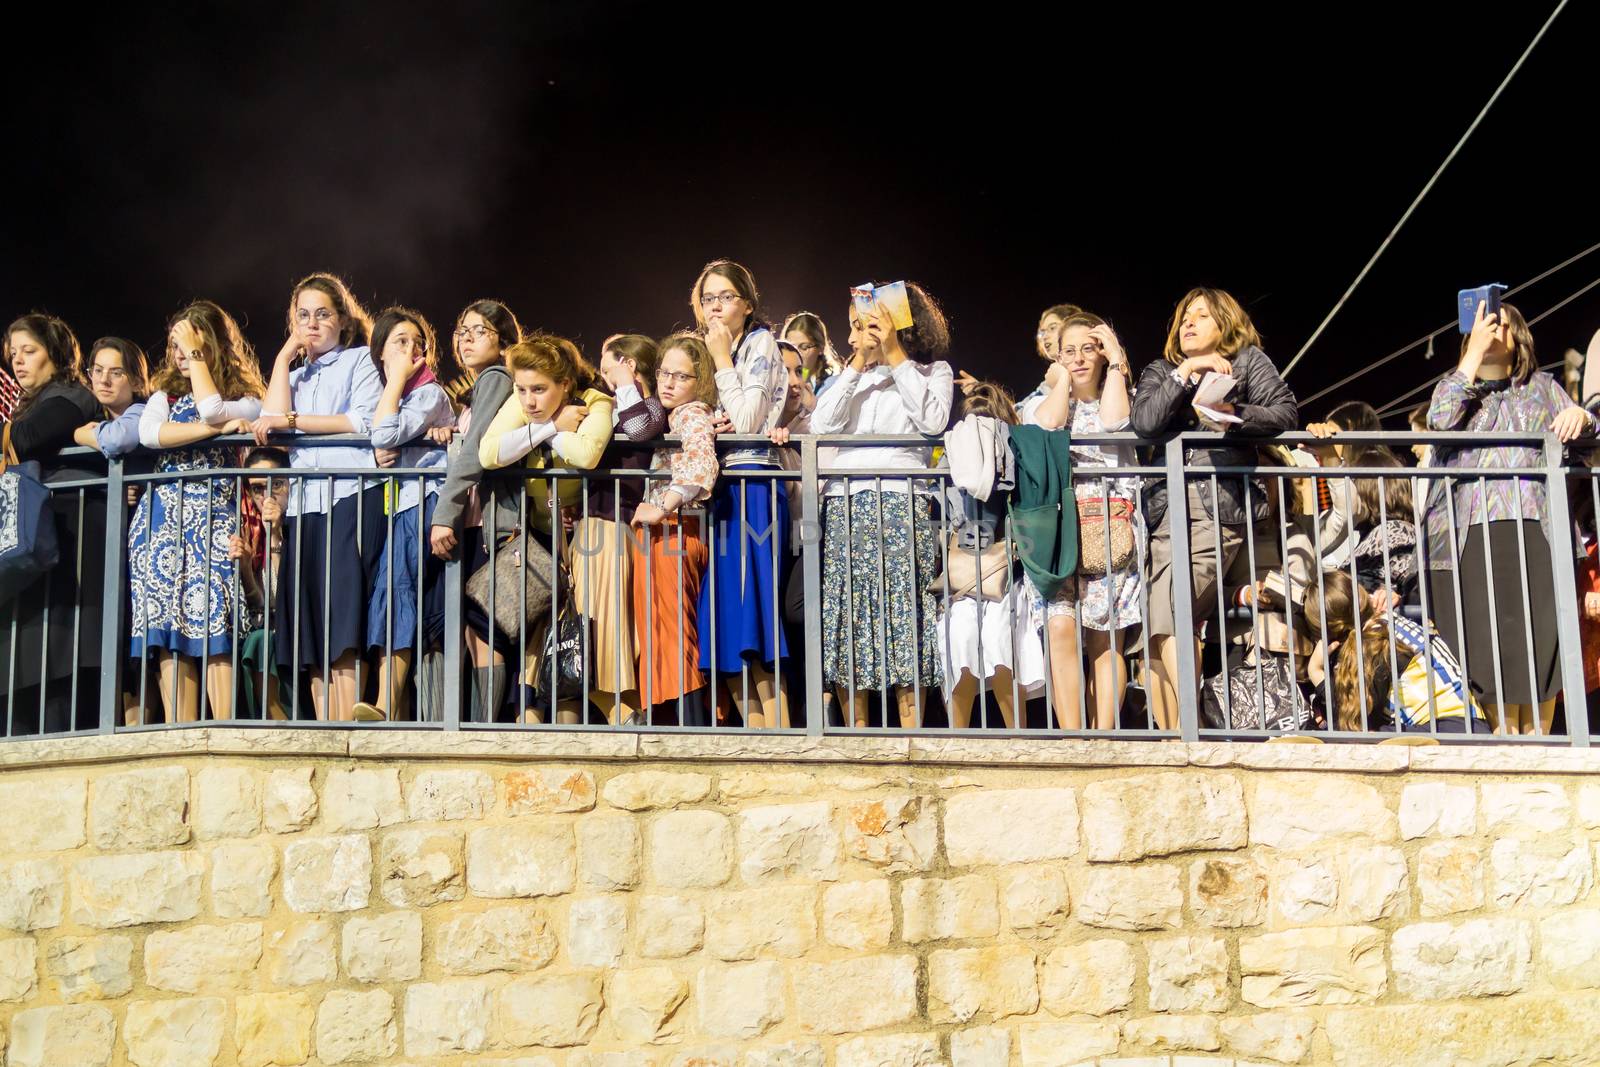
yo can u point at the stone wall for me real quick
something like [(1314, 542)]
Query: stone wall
[(218, 897)]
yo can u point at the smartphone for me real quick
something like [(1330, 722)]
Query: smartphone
[(1467, 301)]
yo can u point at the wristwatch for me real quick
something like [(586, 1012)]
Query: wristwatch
[(292, 417), (1181, 380)]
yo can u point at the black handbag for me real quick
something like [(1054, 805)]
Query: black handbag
[(564, 646)]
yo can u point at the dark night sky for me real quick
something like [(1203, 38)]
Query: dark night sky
[(582, 161)]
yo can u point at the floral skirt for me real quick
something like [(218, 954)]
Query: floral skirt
[(879, 622)]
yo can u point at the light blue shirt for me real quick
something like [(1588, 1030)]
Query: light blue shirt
[(341, 382), (119, 436), (426, 407)]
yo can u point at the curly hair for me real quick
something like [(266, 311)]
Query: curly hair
[(1238, 332), (223, 349), (928, 336)]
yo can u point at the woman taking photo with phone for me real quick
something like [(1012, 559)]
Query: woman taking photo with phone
[(1501, 551), (1210, 333)]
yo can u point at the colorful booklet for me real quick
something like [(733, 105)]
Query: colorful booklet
[(892, 297)]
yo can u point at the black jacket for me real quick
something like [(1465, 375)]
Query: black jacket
[(1261, 399)]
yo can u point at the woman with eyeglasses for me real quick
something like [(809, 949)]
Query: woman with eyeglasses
[(182, 582), (336, 524), (415, 419), (119, 378), (484, 330), (257, 550), (1088, 394), (740, 605), (878, 548), (670, 564), (806, 331)]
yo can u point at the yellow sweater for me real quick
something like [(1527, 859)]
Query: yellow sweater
[(578, 449)]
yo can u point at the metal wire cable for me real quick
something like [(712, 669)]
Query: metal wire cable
[(1399, 401), (1397, 353), (1382, 248)]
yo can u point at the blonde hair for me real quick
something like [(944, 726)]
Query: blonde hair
[(1238, 332), (705, 368), (736, 275)]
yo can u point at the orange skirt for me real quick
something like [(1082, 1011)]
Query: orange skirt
[(665, 609)]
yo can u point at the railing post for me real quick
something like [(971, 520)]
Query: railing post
[(112, 650), (451, 714), (811, 572), (1562, 553), (1182, 593)]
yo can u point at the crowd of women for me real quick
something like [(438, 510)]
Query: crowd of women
[(1005, 564)]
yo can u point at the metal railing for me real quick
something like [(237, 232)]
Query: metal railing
[(895, 549)]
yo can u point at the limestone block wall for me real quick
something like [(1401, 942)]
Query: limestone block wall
[(229, 898)]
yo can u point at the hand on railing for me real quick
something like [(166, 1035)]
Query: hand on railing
[(1570, 424), (440, 435), (386, 457)]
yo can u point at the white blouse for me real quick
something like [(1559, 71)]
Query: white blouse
[(911, 399), (213, 411)]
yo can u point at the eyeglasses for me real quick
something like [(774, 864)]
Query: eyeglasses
[(475, 333), (1047, 335), (711, 300), (664, 375), (303, 317), (808, 347), (1088, 348), (108, 373), (418, 346)]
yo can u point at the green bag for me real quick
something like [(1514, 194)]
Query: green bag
[(1043, 507)]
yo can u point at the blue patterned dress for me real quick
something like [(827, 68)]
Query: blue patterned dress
[(183, 595)]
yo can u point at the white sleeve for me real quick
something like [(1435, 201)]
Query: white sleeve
[(926, 395), (514, 444), (213, 410), (832, 413), (156, 411)]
